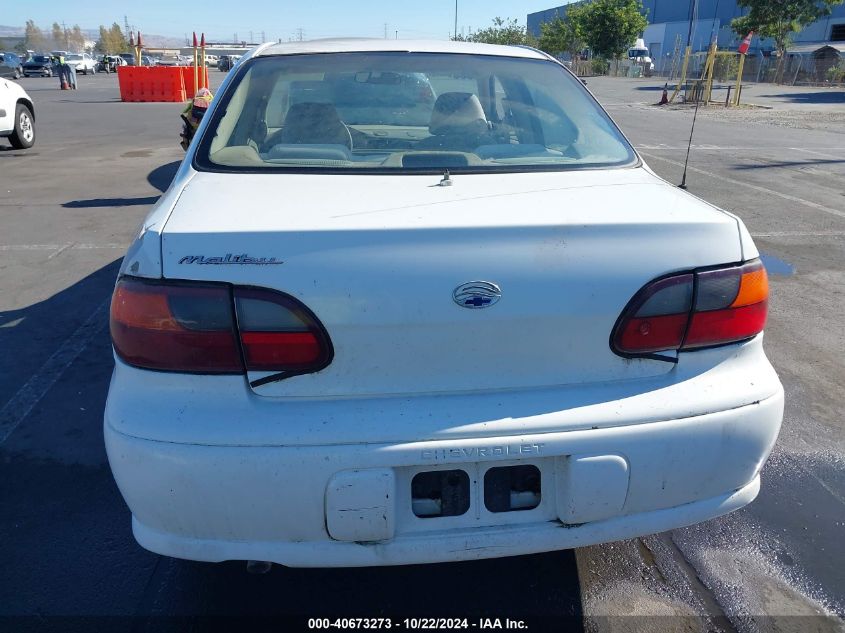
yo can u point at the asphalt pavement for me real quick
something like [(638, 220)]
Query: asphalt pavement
[(70, 206)]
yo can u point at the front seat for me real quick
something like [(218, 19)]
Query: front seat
[(457, 124), (312, 123)]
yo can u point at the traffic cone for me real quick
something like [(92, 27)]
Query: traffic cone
[(65, 86), (665, 98)]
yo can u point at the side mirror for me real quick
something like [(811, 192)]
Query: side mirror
[(584, 81)]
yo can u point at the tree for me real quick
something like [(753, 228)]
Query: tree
[(76, 39), (507, 31), (563, 34), (59, 37), (610, 27), (779, 19), (33, 37), (112, 40)]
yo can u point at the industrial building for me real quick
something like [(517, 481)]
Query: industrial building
[(669, 26)]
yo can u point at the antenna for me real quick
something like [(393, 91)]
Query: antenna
[(693, 10), (683, 184)]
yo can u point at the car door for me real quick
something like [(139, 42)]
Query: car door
[(7, 107), (7, 69)]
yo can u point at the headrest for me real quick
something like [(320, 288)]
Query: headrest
[(314, 123), (457, 113)]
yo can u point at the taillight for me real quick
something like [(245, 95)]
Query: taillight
[(214, 328), (279, 334), (694, 310), (175, 327)]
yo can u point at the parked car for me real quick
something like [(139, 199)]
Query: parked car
[(492, 334), (17, 115), (226, 62), (83, 62), (11, 66), (40, 65), (110, 63)]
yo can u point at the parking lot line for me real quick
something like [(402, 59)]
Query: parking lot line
[(734, 148), (799, 234), (60, 247), (748, 185), (817, 153), (21, 404)]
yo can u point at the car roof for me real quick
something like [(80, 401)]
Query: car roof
[(363, 45)]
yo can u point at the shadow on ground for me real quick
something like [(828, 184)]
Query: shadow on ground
[(826, 96), (791, 163), (160, 178)]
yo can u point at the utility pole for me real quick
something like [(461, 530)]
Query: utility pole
[(300, 34), (263, 39), (126, 28), (64, 30), (250, 37), (456, 19)]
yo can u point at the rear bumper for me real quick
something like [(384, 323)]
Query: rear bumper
[(284, 503), (456, 545)]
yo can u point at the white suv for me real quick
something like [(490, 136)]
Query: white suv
[(17, 115)]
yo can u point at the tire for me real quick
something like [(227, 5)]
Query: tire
[(17, 74), (23, 136), (85, 71)]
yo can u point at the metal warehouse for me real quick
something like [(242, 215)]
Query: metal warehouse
[(669, 25)]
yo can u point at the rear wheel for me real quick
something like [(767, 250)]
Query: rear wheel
[(23, 136)]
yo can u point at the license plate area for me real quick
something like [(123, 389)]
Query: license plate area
[(450, 496)]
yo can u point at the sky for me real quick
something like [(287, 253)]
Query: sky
[(278, 19)]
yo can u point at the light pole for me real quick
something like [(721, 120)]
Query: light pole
[(456, 19)]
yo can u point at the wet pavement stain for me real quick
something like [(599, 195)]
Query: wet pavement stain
[(777, 266)]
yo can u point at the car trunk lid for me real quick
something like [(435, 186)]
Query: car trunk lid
[(378, 260)]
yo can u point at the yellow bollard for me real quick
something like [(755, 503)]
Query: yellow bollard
[(202, 62), (196, 69), (138, 46), (708, 73), (682, 79), (739, 80)]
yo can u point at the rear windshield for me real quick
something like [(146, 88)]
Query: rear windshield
[(401, 112)]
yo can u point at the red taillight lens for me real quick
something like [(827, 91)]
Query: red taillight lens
[(175, 327), (190, 327), (730, 306), (279, 334), (658, 316)]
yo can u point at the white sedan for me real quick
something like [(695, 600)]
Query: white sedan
[(351, 336), (17, 115), (82, 62)]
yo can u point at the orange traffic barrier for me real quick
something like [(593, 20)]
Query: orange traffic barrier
[(151, 83)]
